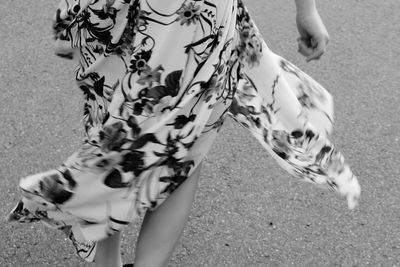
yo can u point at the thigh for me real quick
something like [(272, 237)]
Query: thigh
[(162, 227)]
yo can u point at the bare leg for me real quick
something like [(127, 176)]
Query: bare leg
[(108, 252), (159, 233), (162, 228)]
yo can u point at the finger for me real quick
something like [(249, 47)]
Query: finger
[(319, 48), (304, 47), (315, 56)]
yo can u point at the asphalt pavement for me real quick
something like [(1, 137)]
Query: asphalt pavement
[(248, 212)]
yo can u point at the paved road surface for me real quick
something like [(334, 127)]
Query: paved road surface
[(248, 212)]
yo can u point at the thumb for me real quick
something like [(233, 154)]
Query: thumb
[(304, 47), (318, 47)]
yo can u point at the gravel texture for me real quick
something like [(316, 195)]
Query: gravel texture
[(248, 212)]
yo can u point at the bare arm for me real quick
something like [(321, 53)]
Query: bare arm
[(305, 4), (313, 35)]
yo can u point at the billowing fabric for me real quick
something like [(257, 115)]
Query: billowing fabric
[(158, 78)]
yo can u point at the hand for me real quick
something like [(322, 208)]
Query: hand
[(313, 35)]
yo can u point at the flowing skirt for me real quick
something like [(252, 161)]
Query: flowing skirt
[(158, 79)]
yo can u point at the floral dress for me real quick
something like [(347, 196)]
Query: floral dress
[(159, 78)]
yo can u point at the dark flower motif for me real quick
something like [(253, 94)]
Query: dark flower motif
[(182, 120), (68, 177), (237, 109), (108, 11), (181, 171), (98, 49), (125, 44), (305, 101), (53, 189), (215, 83), (142, 140), (60, 26), (103, 163), (188, 13), (87, 92), (172, 81), (280, 144), (139, 62), (150, 76), (138, 108), (173, 153), (21, 214), (250, 44), (114, 180), (161, 106), (95, 32), (253, 57), (174, 181), (98, 86), (297, 133), (133, 162), (325, 152), (112, 136), (158, 99)]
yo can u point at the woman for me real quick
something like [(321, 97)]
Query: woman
[(159, 77)]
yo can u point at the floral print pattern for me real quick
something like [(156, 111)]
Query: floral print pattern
[(158, 79)]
